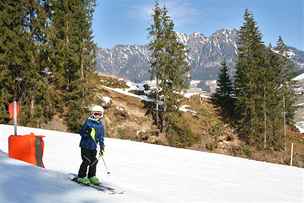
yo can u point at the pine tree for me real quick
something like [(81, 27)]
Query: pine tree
[(287, 70), (174, 65), (3, 104), (249, 74), (279, 97), (11, 14), (47, 56), (3, 94), (168, 61), (23, 58), (81, 92), (36, 105), (281, 47), (14, 57), (224, 90), (73, 53), (263, 88), (273, 110), (288, 95), (156, 47)]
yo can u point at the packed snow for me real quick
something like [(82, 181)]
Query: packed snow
[(126, 92), (107, 100), (147, 173), (187, 108), (299, 77), (300, 126), (299, 105), (140, 87)]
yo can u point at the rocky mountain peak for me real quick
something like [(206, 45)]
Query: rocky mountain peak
[(204, 54)]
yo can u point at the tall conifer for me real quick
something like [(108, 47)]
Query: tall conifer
[(168, 62), (73, 55), (249, 74), (224, 90)]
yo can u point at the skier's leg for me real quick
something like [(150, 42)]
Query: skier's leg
[(92, 169), (86, 161), (93, 164)]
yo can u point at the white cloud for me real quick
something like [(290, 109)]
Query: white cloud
[(182, 11), (140, 11)]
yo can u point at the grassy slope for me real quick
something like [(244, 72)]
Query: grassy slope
[(126, 119)]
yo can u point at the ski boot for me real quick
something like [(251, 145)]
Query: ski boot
[(94, 180), (84, 181)]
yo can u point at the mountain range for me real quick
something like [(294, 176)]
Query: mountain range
[(204, 54)]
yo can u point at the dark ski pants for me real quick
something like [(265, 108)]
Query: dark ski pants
[(88, 160)]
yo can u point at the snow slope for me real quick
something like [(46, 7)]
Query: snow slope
[(299, 77), (147, 173)]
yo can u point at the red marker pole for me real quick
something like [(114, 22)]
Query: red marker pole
[(15, 117)]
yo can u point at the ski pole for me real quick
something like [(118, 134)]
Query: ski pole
[(108, 172)]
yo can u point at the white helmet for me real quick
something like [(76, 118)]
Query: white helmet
[(97, 108), (96, 112)]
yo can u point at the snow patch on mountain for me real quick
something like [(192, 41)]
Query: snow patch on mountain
[(204, 56)]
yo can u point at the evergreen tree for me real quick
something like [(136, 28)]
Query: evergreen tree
[(288, 95), (14, 58), (80, 94), (22, 57), (168, 61), (11, 14), (36, 105), (248, 86), (281, 47), (287, 70), (224, 90), (156, 46), (273, 108), (47, 56), (86, 54), (3, 103), (173, 65), (73, 53), (280, 97), (263, 88)]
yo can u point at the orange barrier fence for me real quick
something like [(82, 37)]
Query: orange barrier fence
[(28, 148)]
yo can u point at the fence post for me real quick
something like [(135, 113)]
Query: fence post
[(291, 154)]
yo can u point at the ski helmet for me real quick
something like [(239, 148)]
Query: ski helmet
[(97, 112), (97, 108)]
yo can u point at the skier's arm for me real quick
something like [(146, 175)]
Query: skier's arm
[(84, 131)]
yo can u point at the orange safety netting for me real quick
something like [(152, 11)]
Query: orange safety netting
[(28, 148)]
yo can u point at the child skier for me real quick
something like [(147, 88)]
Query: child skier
[(92, 133)]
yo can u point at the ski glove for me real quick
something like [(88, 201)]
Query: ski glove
[(101, 150)]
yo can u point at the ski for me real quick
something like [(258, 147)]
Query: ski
[(102, 187)]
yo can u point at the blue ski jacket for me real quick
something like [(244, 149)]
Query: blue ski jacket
[(92, 133)]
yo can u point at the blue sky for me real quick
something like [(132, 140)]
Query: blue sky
[(126, 21)]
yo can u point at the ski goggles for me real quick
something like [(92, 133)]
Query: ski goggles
[(100, 114)]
